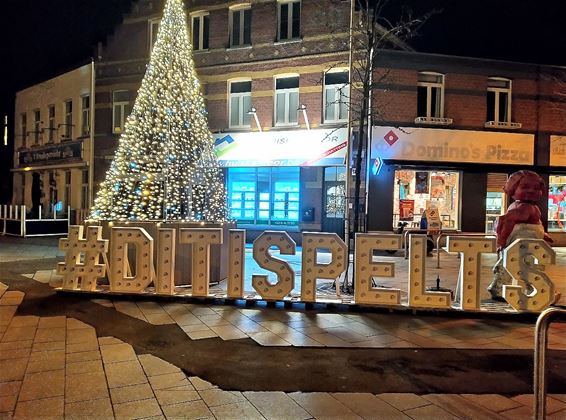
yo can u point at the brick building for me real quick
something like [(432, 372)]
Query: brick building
[(268, 69), (453, 129), (52, 145)]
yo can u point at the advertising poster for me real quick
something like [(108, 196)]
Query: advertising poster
[(437, 189), (406, 210), (421, 182)]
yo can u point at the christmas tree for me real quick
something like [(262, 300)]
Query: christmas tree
[(165, 166)]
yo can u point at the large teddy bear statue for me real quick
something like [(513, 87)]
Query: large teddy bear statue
[(522, 220)]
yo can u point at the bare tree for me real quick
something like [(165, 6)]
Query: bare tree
[(372, 32)]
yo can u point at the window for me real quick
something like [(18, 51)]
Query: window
[(68, 120), (289, 16), (36, 126), (264, 196), (286, 100), (24, 128), (67, 189), (430, 95), (240, 103), (85, 115), (153, 26), (51, 123), (240, 26), (417, 191), (121, 108), (498, 100), (557, 203), (200, 26), (336, 96), (84, 190)]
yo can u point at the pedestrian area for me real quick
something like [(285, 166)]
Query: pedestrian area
[(57, 367)]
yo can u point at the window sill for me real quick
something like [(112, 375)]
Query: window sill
[(285, 126), (239, 47), (240, 129), (288, 41), (334, 123), (200, 51)]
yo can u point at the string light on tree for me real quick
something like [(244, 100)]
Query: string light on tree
[(165, 166)]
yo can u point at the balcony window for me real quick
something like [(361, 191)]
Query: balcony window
[(68, 120), (51, 124), (36, 126), (121, 108), (85, 126)]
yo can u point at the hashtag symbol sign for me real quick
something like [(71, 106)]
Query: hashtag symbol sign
[(82, 258)]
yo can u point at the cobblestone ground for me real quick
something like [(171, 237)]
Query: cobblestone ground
[(60, 367)]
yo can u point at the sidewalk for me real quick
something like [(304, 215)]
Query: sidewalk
[(64, 356)]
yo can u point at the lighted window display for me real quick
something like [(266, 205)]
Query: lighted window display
[(557, 203), (264, 196), (415, 191)]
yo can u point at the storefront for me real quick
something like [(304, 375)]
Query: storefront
[(54, 177), (292, 180), (459, 173), (557, 186)]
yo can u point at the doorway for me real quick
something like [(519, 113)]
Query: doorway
[(334, 200)]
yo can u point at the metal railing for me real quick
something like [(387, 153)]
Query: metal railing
[(541, 340), (16, 222)]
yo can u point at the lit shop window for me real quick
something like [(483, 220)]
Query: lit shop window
[(430, 95), (264, 196), (289, 17), (240, 103), (417, 191), (240, 25), (336, 96), (286, 100), (557, 203), (200, 26)]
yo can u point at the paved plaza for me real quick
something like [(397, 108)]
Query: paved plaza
[(104, 357)]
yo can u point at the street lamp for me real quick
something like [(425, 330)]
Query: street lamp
[(253, 112)]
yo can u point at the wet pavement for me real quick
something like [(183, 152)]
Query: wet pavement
[(234, 361)]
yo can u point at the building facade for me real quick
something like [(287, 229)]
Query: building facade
[(275, 77), (452, 131), (52, 145)]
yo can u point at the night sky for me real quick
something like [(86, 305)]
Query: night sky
[(43, 38)]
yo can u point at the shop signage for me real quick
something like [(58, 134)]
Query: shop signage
[(125, 240), (282, 148), (557, 150), (51, 154), (441, 145)]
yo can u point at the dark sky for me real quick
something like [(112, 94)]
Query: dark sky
[(41, 38)]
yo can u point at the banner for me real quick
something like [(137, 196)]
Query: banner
[(557, 151), (282, 148), (406, 210)]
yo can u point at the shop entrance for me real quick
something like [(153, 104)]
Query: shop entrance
[(334, 196), (418, 190)]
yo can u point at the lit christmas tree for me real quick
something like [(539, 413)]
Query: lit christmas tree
[(165, 166)]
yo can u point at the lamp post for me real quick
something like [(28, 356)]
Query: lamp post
[(253, 112), (303, 108)]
